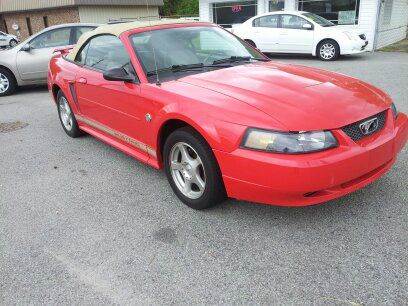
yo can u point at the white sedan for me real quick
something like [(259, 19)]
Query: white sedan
[(300, 32), (8, 40)]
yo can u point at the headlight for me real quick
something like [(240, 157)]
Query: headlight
[(394, 110), (290, 143)]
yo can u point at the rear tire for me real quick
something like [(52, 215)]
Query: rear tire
[(67, 117), (8, 83), (328, 50), (192, 170)]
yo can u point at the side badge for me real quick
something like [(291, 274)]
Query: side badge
[(148, 117)]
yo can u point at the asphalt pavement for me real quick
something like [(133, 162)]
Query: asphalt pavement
[(82, 223)]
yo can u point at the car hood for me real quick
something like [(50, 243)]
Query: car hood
[(300, 98)]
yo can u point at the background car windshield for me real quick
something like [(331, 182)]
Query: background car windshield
[(185, 46), (319, 20)]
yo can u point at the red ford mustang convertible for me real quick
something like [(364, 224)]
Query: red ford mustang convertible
[(221, 119)]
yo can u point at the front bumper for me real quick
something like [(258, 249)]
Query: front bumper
[(308, 179), (354, 47)]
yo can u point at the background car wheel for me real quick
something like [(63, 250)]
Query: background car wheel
[(250, 42), (67, 117), (192, 169), (13, 43), (8, 83), (328, 50)]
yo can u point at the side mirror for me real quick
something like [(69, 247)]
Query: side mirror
[(307, 26), (26, 48), (118, 74)]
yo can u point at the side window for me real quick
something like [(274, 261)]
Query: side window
[(293, 22), (270, 21), (81, 56), (78, 31), (53, 38), (106, 52)]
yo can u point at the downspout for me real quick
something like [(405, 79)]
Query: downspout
[(377, 25)]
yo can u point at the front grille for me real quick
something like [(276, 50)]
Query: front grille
[(354, 132), (362, 36)]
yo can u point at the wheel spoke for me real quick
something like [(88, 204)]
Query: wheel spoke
[(199, 182), (185, 156), (187, 187)]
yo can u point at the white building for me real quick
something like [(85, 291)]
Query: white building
[(383, 21)]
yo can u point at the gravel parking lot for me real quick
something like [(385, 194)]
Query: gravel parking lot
[(83, 223)]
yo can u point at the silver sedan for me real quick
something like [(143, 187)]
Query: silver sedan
[(27, 63)]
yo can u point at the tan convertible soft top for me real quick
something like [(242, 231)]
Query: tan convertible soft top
[(119, 28)]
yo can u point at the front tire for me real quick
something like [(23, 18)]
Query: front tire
[(8, 83), (328, 50), (192, 170), (67, 117), (13, 43)]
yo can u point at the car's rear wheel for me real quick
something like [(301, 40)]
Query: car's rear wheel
[(67, 117), (8, 83), (328, 50), (13, 43), (192, 169)]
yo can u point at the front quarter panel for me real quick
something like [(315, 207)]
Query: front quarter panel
[(218, 118)]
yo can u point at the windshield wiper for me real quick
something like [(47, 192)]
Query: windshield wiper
[(235, 59), (179, 68)]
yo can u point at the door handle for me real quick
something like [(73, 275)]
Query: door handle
[(82, 81)]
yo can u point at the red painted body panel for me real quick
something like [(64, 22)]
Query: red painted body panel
[(222, 104)]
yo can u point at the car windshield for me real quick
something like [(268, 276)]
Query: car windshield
[(319, 20), (194, 49)]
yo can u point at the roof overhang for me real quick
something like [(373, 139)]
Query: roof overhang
[(8, 6)]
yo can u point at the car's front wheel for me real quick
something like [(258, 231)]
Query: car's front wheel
[(8, 83), (328, 50), (192, 169), (13, 43), (67, 117)]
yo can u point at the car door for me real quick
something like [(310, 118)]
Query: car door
[(32, 64), (265, 32), (113, 107), (296, 34)]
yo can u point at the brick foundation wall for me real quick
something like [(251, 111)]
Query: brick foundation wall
[(54, 16)]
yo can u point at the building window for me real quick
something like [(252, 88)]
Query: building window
[(337, 11), (387, 12), (28, 22), (45, 19), (276, 5), (228, 13)]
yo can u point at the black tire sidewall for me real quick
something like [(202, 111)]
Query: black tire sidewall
[(336, 46), (12, 82), (75, 131), (214, 192), (11, 41)]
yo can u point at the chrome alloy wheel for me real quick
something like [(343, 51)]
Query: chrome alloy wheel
[(187, 170), (327, 51), (65, 113), (4, 83), (13, 43)]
